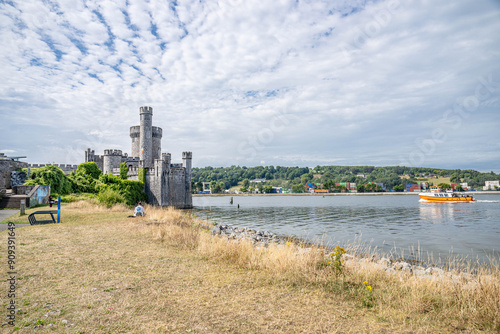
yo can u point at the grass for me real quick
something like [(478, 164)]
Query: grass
[(165, 273), (436, 180)]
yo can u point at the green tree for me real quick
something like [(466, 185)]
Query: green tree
[(444, 186), (199, 186), (246, 183), (399, 187), (298, 188), (53, 176), (455, 178), (267, 189), (89, 168), (360, 188)]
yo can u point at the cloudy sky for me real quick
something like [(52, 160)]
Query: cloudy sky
[(251, 82)]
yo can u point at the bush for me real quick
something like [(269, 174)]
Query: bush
[(110, 197), (132, 191), (53, 176), (123, 171), (89, 168)]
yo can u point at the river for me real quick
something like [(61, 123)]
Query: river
[(397, 225)]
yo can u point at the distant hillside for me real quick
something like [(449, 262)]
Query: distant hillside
[(228, 177)]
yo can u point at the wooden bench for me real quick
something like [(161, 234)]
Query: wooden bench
[(34, 221)]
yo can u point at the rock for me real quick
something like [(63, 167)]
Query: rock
[(216, 230), (53, 313), (434, 271), (385, 261), (49, 326), (64, 322)]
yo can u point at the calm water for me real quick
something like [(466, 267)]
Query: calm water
[(391, 222)]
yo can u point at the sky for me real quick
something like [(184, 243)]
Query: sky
[(251, 82)]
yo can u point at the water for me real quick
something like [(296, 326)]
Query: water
[(392, 223)]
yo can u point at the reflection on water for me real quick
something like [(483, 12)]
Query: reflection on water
[(468, 229)]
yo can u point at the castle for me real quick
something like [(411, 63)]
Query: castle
[(166, 184)]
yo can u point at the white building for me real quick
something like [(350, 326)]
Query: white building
[(491, 185)]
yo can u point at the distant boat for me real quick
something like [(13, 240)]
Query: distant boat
[(437, 194)]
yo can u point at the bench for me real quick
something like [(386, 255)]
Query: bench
[(34, 221)]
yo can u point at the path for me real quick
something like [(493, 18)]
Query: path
[(6, 214)]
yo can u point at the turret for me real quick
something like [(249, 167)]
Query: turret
[(146, 137), (135, 133), (157, 134), (111, 159), (187, 164)]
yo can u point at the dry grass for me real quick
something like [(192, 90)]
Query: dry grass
[(163, 273)]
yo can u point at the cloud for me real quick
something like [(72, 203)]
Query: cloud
[(356, 82)]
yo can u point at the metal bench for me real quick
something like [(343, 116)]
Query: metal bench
[(34, 221)]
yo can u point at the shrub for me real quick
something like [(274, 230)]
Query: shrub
[(132, 191), (123, 171), (110, 197), (89, 168)]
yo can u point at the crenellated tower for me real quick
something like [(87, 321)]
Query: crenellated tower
[(111, 159), (146, 137)]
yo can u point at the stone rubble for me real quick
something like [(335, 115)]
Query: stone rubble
[(258, 238)]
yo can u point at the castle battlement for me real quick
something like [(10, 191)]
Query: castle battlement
[(157, 132), (135, 131), (146, 110), (113, 152), (187, 155)]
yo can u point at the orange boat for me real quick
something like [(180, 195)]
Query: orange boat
[(438, 195)]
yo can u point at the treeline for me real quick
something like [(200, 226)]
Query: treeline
[(88, 179), (227, 177)]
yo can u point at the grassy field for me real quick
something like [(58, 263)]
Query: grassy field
[(103, 272)]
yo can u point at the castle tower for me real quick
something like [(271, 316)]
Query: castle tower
[(135, 133), (157, 134), (146, 137), (111, 159), (187, 164)]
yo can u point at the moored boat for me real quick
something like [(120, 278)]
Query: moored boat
[(436, 194)]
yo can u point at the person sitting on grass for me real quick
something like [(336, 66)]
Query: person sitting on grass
[(139, 210)]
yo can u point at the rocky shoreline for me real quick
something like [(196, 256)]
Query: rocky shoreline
[(390, 266)]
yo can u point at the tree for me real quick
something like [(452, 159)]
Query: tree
[(267, 189), (399, 187), (444, 186), (455, 178), (246, 183), (298, 188), (89, 168), (199, 186), (360, 188)]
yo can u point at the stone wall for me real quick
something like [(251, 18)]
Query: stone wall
[(177, 189), (6, 167)]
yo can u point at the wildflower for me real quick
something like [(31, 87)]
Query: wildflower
[(328, 263), (368, 288), (288, 243), (365, 283)]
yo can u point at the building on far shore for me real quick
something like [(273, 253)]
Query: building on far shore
[(491, 185)]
